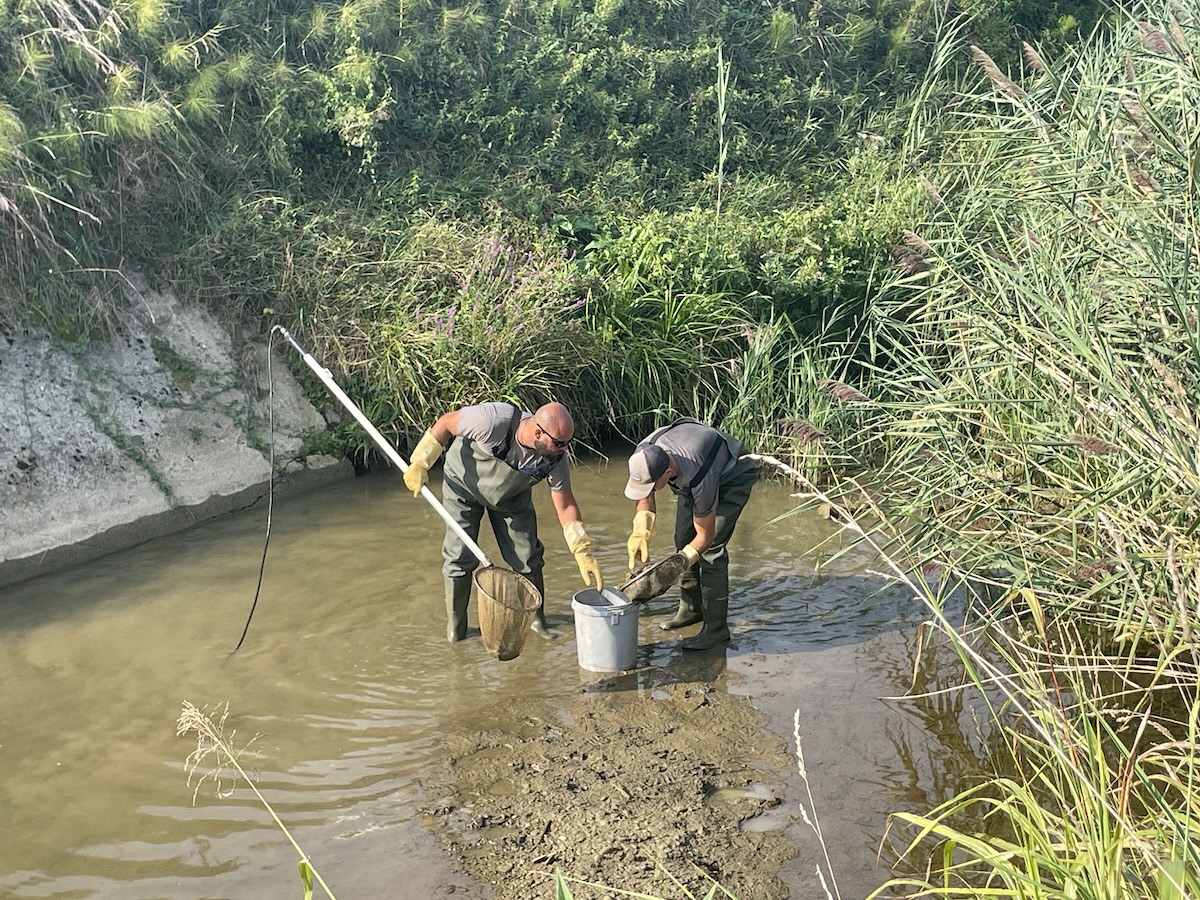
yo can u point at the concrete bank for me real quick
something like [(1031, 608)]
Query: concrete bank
[(105, 445)]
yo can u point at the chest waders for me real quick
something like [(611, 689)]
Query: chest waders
[(704, 588), (512, 597), (475, 482)]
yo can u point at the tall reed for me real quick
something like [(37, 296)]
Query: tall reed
[(1034, 363)]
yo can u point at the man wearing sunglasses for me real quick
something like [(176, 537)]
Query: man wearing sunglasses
[(706, 470), (499, 455)]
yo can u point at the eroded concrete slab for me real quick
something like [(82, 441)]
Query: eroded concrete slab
[(104, 445)]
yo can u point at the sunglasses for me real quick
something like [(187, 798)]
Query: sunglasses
[(561, 445)]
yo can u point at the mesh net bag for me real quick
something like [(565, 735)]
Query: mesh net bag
[(507, 603), (649, 583)]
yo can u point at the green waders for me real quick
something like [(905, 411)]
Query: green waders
[(704, 588), (458, 595), (689, 603), (474, 482)]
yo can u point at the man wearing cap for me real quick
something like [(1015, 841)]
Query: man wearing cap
[(712, 485), (500, 454)]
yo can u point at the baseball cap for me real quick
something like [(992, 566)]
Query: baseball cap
[(646, 465)]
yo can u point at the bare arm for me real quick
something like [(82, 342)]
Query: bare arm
[(445, 428), (706, 531), (566, 507)]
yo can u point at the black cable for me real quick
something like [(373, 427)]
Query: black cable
[(270, 486)]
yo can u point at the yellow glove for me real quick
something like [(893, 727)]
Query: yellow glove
[(581, 546), (690, 555), (639, 540), (427, 451)]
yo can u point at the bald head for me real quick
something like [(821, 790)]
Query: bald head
[(556, 419)]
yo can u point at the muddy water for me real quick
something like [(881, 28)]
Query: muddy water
[(345, 685)]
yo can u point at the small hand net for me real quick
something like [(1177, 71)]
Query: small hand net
[(507, 603), (650, 582)]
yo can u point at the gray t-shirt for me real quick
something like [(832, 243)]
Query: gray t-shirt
[(689, 443), (487, 424)]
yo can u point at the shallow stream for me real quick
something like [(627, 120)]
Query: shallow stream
[(345, 684)]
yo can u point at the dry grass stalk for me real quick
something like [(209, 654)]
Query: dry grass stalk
[(215, 752), (67, 23), (843, 391), (796, 476), (812, 822), (999, 80)]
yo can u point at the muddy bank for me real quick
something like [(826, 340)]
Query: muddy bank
[(626, 790)]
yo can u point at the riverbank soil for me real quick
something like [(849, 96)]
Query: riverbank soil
[(626, 789)]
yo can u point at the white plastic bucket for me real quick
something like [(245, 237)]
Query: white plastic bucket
[(605, 630)]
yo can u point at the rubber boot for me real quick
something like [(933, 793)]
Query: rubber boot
[(714, 604), (458, 595), (539, 625), (689, 605)]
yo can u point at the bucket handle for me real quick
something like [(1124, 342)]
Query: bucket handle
[(323, 373)]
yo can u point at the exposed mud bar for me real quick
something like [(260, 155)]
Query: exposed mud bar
[(627, 789)]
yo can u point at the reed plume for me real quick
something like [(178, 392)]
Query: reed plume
[(1033, 60), (909, 261), (1092, 445), (801, 430), (843, 391), (1152, 39), (1000, 81)]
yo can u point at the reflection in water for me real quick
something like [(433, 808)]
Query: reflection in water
[(942, 743), (345, 683)]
